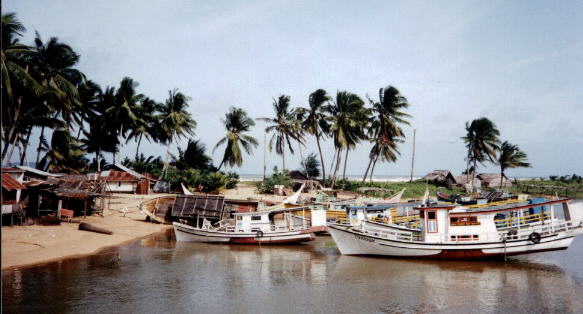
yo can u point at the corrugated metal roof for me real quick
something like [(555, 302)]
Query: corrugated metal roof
[(36, 171), (128, 170), (10, 184), (113, 175)]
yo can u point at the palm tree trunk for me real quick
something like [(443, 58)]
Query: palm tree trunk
[(321, 157), (138, 148), (338, 160), (14, 144), (80, 128), (332, 163), (373, 165), (25, 146), (474, 172), (221, 165), (501, 177), (42, 135), (283, 157), (367, 168), (303, 160), (10, 135), (8, 140), (345, 160)]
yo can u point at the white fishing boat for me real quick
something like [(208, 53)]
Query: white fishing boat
[(468, 232), (263, 227)]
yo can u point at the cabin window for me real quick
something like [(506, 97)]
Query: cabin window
[(119, 183), (431, 221), (464, 221), (421, 214), (239, 217), (255, 217)]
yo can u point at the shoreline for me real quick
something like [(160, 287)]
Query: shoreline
[(26, 246)]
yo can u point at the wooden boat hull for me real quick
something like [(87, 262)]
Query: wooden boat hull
[(352, 242), (188, 233)]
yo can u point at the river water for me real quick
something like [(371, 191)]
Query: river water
[(159, 275)]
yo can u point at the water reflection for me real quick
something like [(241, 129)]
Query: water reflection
[(157, 274)]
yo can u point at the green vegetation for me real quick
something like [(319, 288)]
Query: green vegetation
[(278, 178), (414, 190), (312, 166)]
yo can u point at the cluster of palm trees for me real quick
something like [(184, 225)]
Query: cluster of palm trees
[(484, 145), (345, 119), (41, 88)]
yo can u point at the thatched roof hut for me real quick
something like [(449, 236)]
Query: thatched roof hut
[(442, 177), (467, 179), (492, 180)]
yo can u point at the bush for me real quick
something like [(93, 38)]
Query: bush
[(204, 181), (213, 182), (278, 178), (232, 180)]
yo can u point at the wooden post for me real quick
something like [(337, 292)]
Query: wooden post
[(413, 157), (59, 207)]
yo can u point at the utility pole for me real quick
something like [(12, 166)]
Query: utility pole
[(264, 153), (413, 158)]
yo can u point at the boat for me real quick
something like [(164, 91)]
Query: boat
[(279, 226), (449, 231)]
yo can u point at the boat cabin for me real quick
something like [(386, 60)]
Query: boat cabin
[(487, 223), (269, 221)]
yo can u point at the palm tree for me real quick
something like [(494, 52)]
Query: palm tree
[(122, 113), (19, 87), (312, 166), (53, 63), (101, 136), (283, 126), (511, 157), (385, 130), (145, 113), (174, 120), (194, 156), (481, 141), (236, 122), (348, 119), (64, 154), (316, 122)]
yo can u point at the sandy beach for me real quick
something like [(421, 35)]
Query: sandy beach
[(34, 244)]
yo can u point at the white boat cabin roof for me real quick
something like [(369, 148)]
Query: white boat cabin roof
[(502, 207), (273, 211)]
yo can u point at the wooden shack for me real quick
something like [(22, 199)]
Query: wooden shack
[(492, 180), (200, 206)]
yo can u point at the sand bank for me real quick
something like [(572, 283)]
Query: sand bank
[(29, 245)]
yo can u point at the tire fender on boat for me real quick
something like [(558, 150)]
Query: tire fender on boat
[(259, 234), (534, 237)]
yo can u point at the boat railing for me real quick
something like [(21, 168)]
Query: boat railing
[(391, 234), (546, 228), (521, 220), (505, 202)]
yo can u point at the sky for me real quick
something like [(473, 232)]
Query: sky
[(518, 63)]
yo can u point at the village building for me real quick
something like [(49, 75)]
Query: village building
[(492, 180), (32, 175), (465, 179), (121, 179), (440, 177), (12, 188)]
